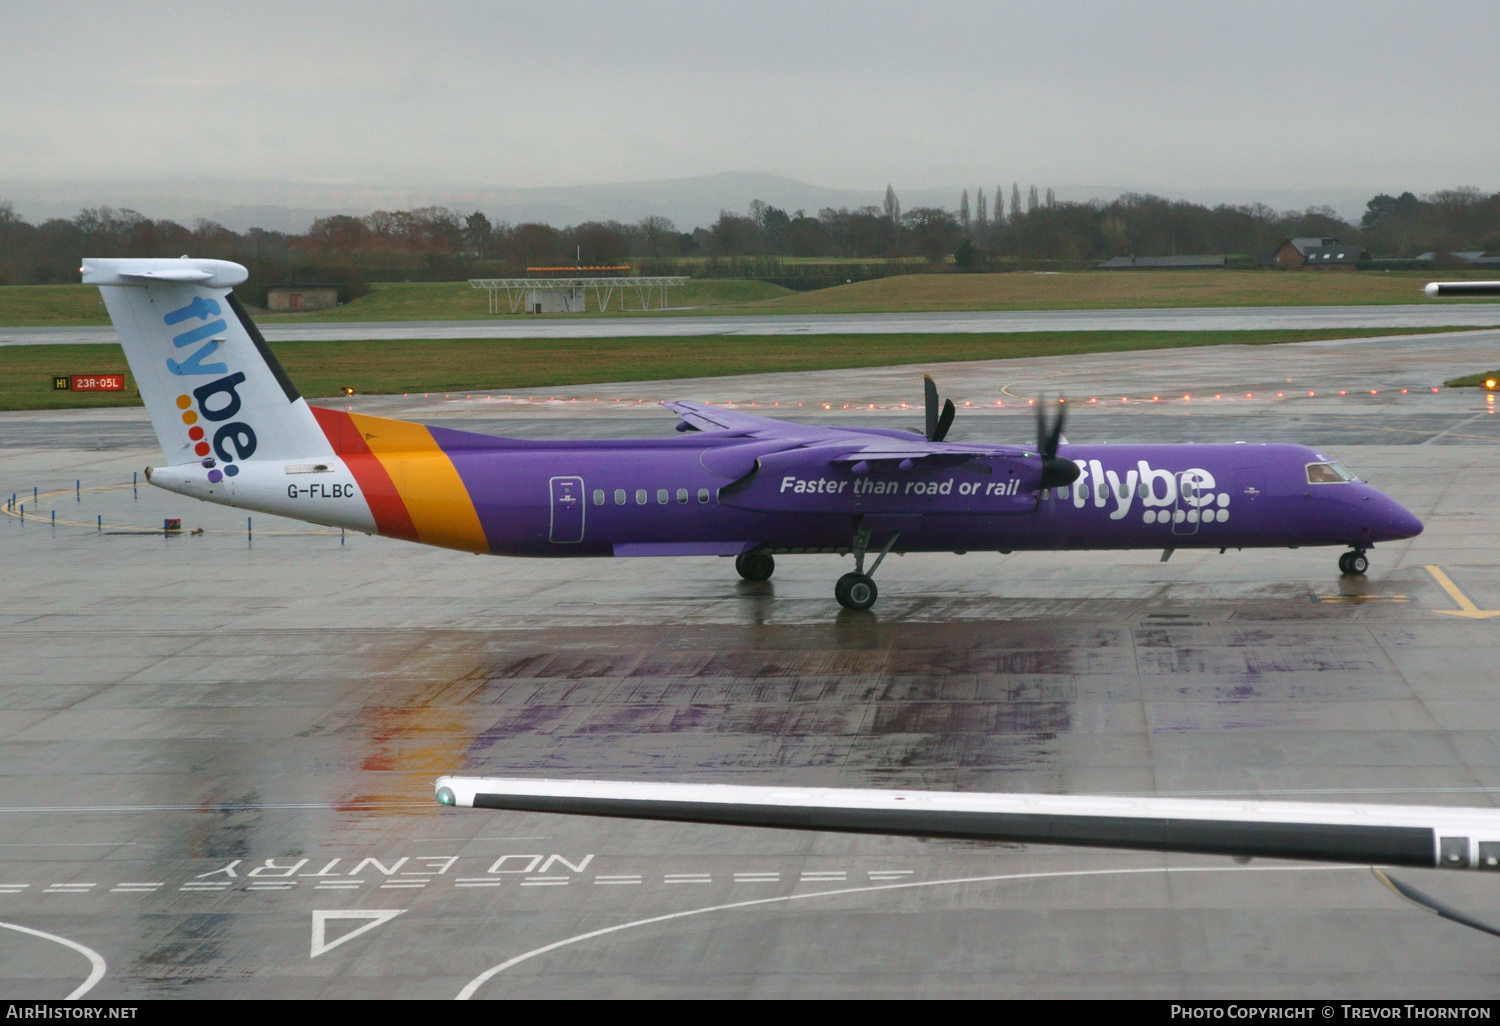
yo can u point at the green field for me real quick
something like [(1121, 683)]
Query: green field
[(487, 365), (1082, 290)]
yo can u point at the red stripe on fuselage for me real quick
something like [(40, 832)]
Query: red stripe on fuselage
[(391, 517)]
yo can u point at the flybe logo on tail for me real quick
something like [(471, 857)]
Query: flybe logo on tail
[(216, 403), (201, 308)]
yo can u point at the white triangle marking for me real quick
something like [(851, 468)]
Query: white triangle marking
[(320, 918)]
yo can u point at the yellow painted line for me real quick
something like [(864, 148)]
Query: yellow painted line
[(1360, 599), (1466, 607)]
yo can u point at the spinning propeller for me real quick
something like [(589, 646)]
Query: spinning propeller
[(1056, 472)]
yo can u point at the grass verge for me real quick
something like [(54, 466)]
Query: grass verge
[(1083, 290), (1488, 379), (468, 365), (79, 305)]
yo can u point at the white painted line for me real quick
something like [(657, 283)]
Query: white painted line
[(476, 879), (320, 918), (96, 961), (479, 981), (128, 883), (79, 888), (687, 878), (214, 886), (545, 881), (478, 883), (617, 880), (890, 873), (397, 885), (824, 876)]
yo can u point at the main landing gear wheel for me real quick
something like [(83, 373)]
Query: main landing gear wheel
[(856, 591), (1353, 562), (755, 566)]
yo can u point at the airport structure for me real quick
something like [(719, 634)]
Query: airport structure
[(563, 290)]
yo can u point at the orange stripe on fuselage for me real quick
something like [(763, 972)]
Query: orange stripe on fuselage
[(426, 480), (391, 516)]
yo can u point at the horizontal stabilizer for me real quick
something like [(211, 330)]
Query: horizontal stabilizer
[(216, 274), (1408, 835)]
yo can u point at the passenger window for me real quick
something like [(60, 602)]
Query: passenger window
[(1327, 473), (702, 494), (598, 496), (619, 496), (640, 496), (682, 495), (661, 496)]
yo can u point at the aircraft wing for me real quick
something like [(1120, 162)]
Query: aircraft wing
[(703, 417), (931, 453), (1407, 835)]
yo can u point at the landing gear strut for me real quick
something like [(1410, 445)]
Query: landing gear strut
[(755, 566), (1354, 562), (857, 590)]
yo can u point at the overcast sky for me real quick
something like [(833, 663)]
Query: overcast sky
[(463, 95)]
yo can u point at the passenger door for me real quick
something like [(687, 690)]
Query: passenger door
[(567, 510)]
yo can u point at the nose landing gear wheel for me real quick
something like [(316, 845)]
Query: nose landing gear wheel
[(856, 591), (755, 566), (1353, 563)]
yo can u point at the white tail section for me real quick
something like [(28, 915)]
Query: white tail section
[(215, 393)]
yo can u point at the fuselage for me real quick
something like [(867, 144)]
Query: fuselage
[(700, 494)]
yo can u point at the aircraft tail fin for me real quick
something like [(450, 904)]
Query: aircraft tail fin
[(214, 391)]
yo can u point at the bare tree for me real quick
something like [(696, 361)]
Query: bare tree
[(981, 212), (1015, 201), (1032, 202), (963, 210), (657, 233), (1051, 198), (892, 205)]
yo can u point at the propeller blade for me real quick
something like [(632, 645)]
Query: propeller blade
[(929, 388), (945, 421), (1055, 435)]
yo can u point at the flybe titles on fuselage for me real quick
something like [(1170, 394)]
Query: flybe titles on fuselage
[(1190, 495), (1000, 487), (973, 487)]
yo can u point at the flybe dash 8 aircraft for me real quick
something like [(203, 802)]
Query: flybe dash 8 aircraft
[(235, 431)]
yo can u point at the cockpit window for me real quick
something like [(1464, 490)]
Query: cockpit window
[(1328, 473)]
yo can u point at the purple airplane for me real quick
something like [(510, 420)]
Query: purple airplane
[(235, 431)]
